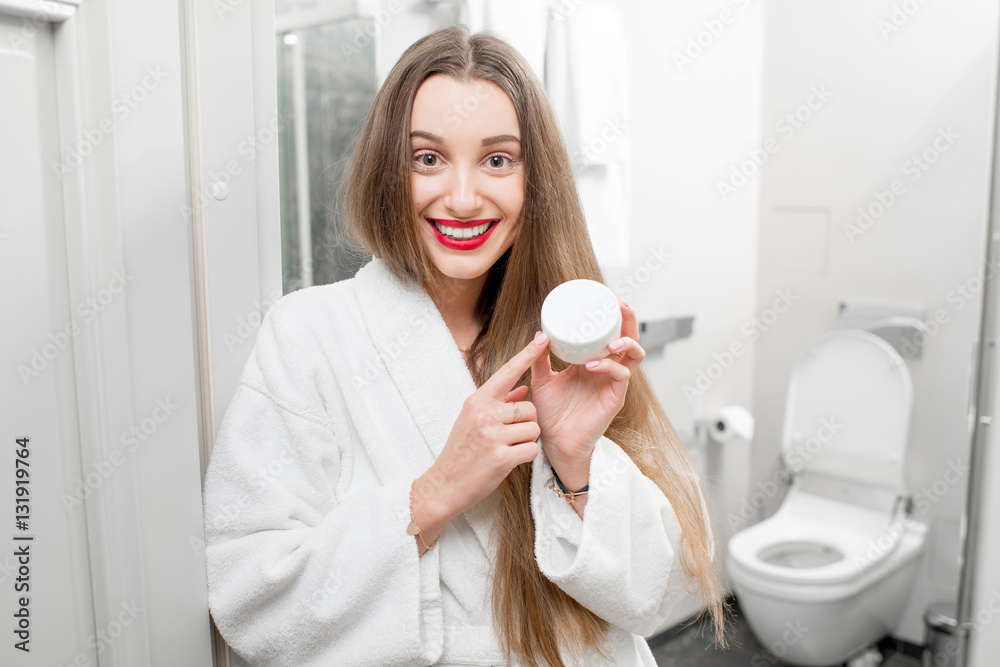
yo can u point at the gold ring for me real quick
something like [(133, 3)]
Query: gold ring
[(517, 413)]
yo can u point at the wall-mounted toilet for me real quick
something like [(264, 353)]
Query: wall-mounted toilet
[(832, 570)]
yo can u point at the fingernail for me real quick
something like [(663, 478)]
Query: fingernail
[(593, 364), (614, 345), (540, 338)]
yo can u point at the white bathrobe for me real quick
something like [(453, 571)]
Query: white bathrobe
[(350, 394)]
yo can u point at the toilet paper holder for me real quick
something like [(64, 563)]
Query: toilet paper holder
[(654, 335), (728, 424)]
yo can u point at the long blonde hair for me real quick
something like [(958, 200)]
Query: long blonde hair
[(535, 620)]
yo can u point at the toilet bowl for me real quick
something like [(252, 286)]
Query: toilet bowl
[(832, 570)]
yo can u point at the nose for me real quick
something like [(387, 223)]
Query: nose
[(463, 197)]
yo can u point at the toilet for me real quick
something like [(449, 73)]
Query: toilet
[(831, 572)]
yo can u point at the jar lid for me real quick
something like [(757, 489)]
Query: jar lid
[(581, 317)]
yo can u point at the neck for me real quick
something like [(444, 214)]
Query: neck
[(456, 300)]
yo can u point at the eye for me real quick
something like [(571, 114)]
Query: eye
[(499, 161), (426, 159)]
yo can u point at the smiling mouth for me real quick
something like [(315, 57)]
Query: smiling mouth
[(461, 231)]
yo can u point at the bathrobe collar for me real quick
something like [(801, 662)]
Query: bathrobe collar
[(425, 363)]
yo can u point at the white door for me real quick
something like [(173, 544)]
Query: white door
[(48, 593), (124, 313)]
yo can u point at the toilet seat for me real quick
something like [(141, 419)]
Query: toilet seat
[(751, 580), (856, 539)]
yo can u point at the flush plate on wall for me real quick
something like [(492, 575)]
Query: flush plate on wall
[(900, 325)]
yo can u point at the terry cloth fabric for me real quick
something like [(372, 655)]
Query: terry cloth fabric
[(349, 394)]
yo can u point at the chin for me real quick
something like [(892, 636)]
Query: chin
[(464, 270)]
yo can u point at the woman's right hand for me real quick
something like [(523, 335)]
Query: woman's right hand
[(485, 444)]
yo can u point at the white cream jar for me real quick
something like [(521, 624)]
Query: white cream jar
[(581, 317)]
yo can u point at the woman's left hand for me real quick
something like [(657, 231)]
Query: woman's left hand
[(576, 405)]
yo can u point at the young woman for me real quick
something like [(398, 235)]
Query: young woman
[(392, 481)]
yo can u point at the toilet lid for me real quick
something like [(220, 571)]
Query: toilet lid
[(848, 410)]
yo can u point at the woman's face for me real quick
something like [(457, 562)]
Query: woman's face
[(466, 173)]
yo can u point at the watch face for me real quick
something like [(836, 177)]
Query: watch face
[(412, 528)]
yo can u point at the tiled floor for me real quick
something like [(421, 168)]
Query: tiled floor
[(690, 647)]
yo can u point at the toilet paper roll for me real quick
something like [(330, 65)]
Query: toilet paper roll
[(730, 423)]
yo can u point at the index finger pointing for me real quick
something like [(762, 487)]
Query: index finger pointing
[(630, 324), (500, 383)]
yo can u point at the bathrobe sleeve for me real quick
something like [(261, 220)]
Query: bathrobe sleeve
[(300, 573), (622, 559)]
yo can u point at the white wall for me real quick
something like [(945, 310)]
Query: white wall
[(691, 120), (890, 94)]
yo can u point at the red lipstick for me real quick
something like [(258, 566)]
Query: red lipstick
[(462, 244)]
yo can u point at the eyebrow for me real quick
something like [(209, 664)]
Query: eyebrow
[(489, 141)]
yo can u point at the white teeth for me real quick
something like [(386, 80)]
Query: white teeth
[(468, 233)]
